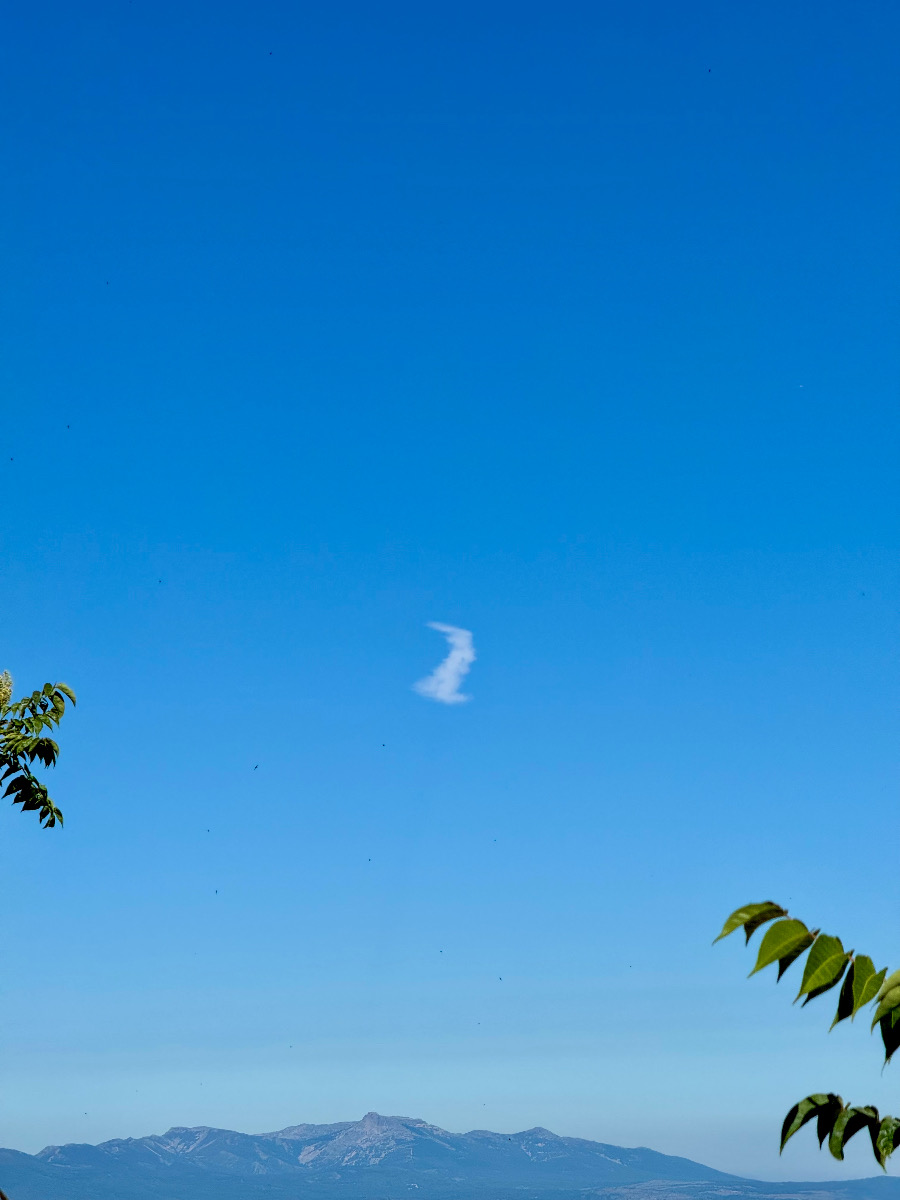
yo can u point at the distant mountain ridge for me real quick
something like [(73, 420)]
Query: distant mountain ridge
[(383, 1158)]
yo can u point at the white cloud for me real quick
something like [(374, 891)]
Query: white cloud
[(443, 682)]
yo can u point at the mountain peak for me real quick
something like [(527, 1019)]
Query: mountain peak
[(375, 1155), (376, 1120)]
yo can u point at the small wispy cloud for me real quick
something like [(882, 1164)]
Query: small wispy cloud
[(443, 682)]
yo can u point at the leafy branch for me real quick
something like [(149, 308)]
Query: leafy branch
[(24, 726), (827, 964)]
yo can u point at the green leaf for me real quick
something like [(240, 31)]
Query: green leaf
[(892, 981), (827, 1118), (849, 1122), (801, 948), (751, 926), (817, 1105), (751, 916), (780, 940), (888, 1139), (826, 987), (889, 1001), (66, 691), (826, 964), (866, 982)]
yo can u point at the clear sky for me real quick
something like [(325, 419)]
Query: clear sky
[(573, 325)]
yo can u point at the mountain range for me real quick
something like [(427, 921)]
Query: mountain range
[(386, 1158)]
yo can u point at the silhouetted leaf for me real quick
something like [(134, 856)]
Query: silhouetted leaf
[(848, 1123), (890, 1033), (812, 1106), (845, 1000), (826, 1119)]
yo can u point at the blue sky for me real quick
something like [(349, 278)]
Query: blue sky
[(574, 325)]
